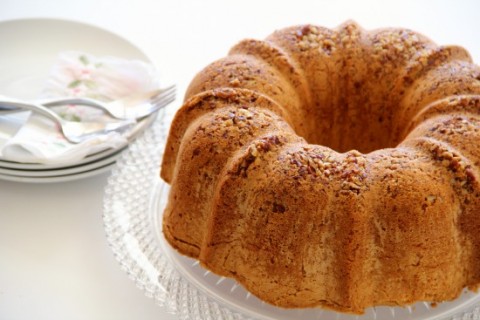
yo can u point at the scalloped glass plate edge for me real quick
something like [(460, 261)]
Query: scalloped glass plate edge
[(133, 202)]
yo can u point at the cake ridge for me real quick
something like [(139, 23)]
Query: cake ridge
[(421, 64), (452, 159), (462, 104), (285, 64), (198, 102)]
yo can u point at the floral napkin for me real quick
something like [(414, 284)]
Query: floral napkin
[(81, 75)]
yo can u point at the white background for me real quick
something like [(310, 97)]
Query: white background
[(54, 259)]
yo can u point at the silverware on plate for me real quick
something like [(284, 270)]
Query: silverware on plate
[(136, 106), (75, 131), (128, 110)]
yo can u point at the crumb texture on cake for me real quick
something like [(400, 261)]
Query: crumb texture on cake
[(331, 167)]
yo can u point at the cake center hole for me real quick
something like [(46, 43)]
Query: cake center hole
[(347, 127)]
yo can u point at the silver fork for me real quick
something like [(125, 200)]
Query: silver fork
[(75, 132), (136, 106)]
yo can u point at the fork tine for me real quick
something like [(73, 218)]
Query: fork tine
[(164, 102), (158, 101), (164, 92), (172, 87), (157, 106), (163, 96)]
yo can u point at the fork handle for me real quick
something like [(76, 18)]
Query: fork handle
[(38, 108), (71, 100), (8, 105)]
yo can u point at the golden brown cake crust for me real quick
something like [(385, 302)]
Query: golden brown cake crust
[(267, 185)]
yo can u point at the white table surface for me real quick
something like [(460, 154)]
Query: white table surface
[(55, 262)]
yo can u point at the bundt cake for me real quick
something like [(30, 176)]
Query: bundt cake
[(333, 168)]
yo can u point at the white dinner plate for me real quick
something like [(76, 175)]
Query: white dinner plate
[(73, 170), (135, 198), (29, 48), (39, 166), (61, 178)]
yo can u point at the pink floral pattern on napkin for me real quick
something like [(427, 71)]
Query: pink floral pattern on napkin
[(79, 74)]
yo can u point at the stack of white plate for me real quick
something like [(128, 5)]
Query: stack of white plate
[(89, 166), (41, 173), (29, 49)]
